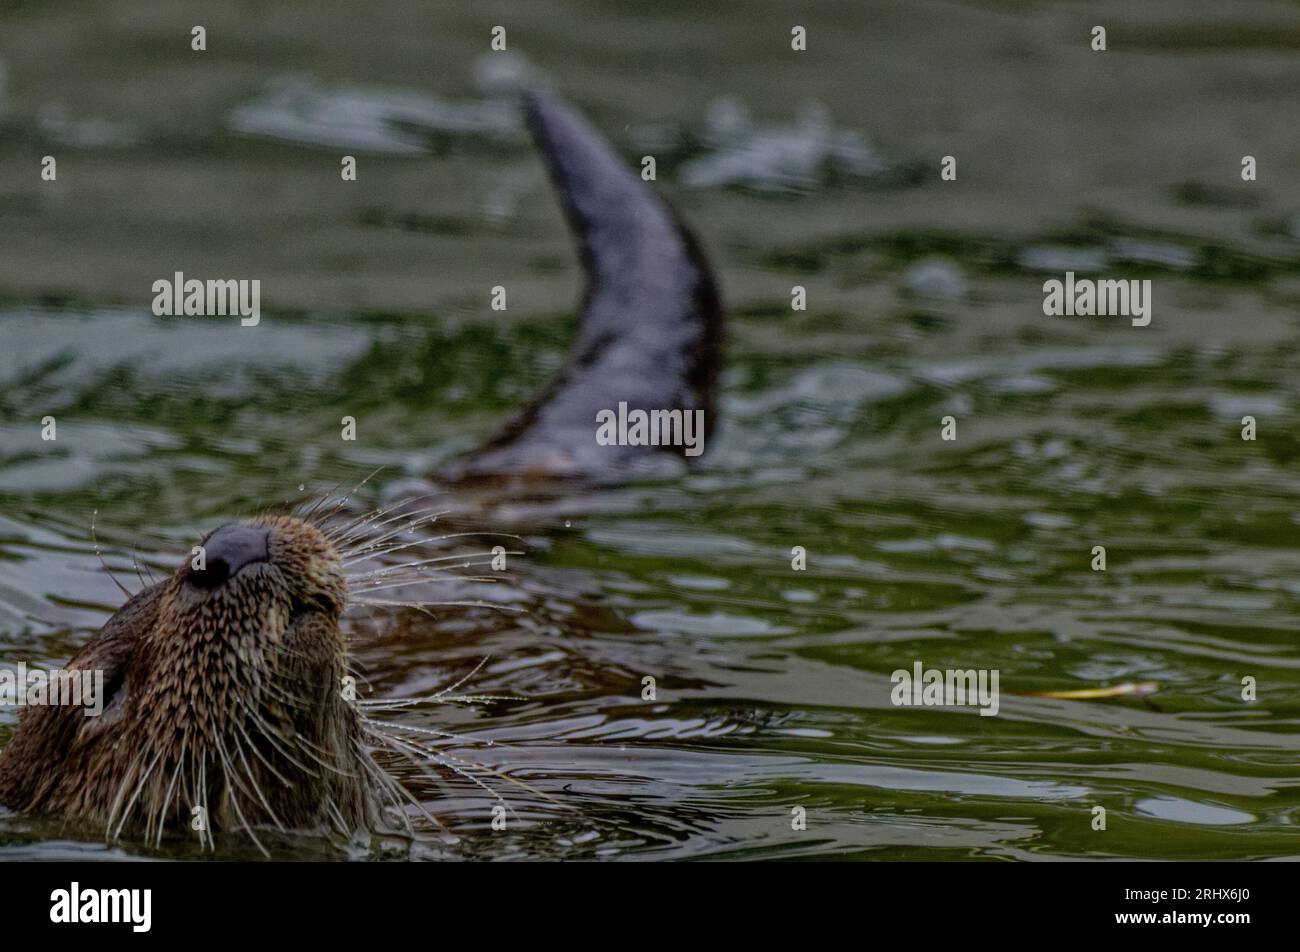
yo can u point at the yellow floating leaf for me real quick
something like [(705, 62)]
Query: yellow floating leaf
[(1129, 689)]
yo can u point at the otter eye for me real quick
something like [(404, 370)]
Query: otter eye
[(114, 683), (111, 704), (226, 551)]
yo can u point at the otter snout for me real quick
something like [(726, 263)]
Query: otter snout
[(227, 550), (224, 693)]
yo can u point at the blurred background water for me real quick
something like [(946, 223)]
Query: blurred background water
[(817, 168)]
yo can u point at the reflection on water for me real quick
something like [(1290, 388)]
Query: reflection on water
[(924, 301), (386, 122), (772, 685)]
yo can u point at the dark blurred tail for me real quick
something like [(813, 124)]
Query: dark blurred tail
[(650, 333)]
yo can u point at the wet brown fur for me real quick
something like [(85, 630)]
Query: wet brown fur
[(228, 699)]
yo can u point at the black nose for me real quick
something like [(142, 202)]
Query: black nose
[(226, 551)]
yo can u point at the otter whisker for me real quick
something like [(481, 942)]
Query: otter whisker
[(206, 825), (262, 757), (434, 575), (135, 563), (455, 557), (189, 791), (162, 813), (401, 603), (487, 579), (117, 798), (405, 509), (383, 549), (402, 788), (370, 525), (428, 576), (444, 759), (353, 556), (336, 817), (470, 764), (306, 509), (384, 705), (472, 671), (357, 673), (193, 794), (486, 769), (373, 538), (353, 528), (439, 696), (373, 725), (375, 535), (126, 811), (386, 783), (248, 774), (307, 517), (104, 565), (417, 758), (391, 725), (279, 693), (234, 802), (423, 577), (307, 746), (270, 737), (448, 575)]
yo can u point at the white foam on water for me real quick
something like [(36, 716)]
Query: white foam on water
[(88, 133), (1058, 258), (1179, 810), (163, 349), (936, 279), (801, 156), (1164, 254), (376, 120)]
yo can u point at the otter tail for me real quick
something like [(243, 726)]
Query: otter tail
[(650, 332)]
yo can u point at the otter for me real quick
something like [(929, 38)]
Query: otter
[(222, 698), (223, 682)]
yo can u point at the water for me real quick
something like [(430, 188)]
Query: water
[(773, 685)]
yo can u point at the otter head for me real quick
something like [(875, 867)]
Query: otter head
[(223, 701)]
